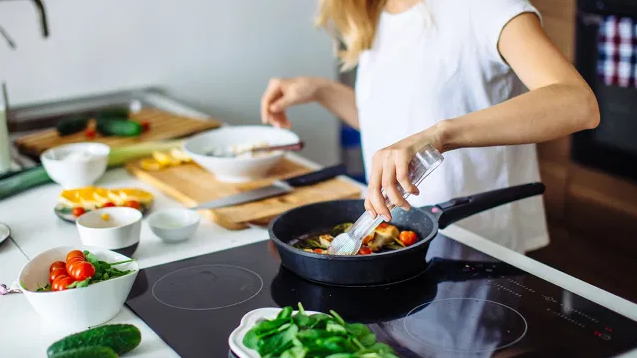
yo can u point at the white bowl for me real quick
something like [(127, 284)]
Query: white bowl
[(76, 173), (247, 322), (79, 307), (238, 169), (120, 232), (174, 225)]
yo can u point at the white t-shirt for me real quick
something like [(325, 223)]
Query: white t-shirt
[(440, 60)]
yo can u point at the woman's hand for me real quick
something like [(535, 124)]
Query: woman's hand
[(283, 93), (390, 166)]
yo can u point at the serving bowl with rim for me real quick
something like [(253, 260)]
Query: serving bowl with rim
[(241, 168), (113, 228), (76, 308), (76, 165), (174, 225)]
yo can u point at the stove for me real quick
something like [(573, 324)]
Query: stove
[(466, 304)]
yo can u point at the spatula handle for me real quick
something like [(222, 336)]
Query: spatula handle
[(317, 176)]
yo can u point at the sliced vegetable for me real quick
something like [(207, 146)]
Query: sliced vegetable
[(121, 338), (62, 283), (57, 264), (318, 335), (56, 273), (75, 253), (82, 270)]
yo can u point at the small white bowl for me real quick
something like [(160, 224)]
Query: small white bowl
[(238, 169), (174, 225), (120, 232), (73, 173), (80, 307)]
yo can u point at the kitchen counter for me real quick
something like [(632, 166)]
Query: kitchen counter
[(35, 229)]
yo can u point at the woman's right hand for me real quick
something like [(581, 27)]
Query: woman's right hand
[(283, 93)]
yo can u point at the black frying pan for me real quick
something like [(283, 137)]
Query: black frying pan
[(380, 268)]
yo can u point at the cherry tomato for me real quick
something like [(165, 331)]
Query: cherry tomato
[(145, 125), (90, 133), (77, 212), (108, 205), (408, 238), (82, 270), (56, 273), (57, 264), (71, 262), (133, 204), (364, 251), (383, 225), (75, 253), (318, 251), (54, 284), (61, 282)]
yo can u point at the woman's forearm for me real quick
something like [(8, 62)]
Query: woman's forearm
[(538, 116), (340, 100)]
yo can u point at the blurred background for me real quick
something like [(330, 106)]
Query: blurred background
[(217, 56)]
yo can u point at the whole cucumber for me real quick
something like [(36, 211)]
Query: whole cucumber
[(109, 113), (70, 125), (121, 338), (119, 128), (87, 352)]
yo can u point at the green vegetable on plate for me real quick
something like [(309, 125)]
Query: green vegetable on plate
[(87, 352), (118, 127), (320, 335), (119, 338)]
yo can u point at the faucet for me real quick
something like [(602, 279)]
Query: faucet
[(43, 20)]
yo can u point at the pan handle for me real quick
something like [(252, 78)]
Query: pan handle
[(459, 208)]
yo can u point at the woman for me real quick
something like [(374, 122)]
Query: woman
[(450, 73)]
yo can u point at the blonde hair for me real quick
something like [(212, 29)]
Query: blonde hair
[(353, 22)]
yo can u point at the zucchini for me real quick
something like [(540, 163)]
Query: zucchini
[(112, 113), (121, 338), (87, 352), (70, 125), (119, 128)]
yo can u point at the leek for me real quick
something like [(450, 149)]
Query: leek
[(36, 176)]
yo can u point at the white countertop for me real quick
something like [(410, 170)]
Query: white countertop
[(35, 228)]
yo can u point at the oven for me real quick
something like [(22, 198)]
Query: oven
[(612, 146)]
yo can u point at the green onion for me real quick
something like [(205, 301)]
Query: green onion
[(36, 176)]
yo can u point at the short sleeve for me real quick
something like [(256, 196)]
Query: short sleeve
[(489, 18)]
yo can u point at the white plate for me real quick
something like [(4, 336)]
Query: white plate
[(247, 322)]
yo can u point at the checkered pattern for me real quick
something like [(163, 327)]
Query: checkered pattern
[(617, 61)]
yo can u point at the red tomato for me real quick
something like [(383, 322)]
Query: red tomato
[(408, 238), (90, 133), (145, 125), (368, 238), (383, 225), (71, 262), (108, 205), (57, 264), (133, 204), (364, 251), (318, 251), (54, 284), (75, 253), (56, 273), (61, 282), (82, 270), (77, 212)]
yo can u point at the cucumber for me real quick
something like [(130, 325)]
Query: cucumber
[(121, 338), (108, 113), (87, 352), (70, 125), (119, 128)]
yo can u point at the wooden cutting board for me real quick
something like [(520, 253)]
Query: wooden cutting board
[(163, 125), (193, 185)]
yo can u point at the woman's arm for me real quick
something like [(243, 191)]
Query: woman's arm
[(559, 103), (283, 93)]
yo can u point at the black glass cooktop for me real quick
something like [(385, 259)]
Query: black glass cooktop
[(466, 304)]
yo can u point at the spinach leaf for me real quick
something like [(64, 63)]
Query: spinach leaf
[(285, 313), (368, 340), (251, 339), (335, 328), (295, 352), (278, 342), (358, 329)]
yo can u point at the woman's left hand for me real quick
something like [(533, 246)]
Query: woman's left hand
[(390, 166)]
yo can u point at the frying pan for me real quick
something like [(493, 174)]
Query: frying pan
[(381, 268)]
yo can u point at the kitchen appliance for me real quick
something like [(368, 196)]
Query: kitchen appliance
[(467, 304), (278, 187), (611, 146), (383, 267)]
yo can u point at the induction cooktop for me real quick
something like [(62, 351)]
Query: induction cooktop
[(466, 304)]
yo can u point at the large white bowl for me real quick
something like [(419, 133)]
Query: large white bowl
[(79, 173), (120, 232), (174, 225), (76, 308), (238, 169)]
